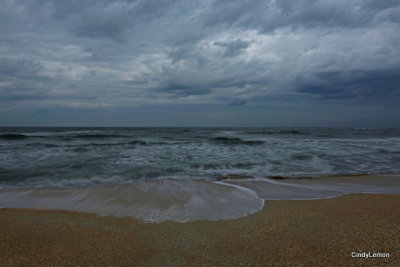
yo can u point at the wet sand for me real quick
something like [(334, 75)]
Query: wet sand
[(292, 232)]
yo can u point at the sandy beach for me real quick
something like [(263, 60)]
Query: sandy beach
[(294, 232)]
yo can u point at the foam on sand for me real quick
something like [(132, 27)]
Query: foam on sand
[(150, 201), (193, 200)]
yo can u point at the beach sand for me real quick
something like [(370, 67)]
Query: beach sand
[(306, 232)]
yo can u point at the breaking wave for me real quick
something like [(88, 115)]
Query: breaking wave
[(236, 141)]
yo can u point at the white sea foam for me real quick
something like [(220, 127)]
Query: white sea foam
[(150, 201), (191, 200)]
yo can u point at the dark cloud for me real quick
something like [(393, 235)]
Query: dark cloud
[(182, 90), (237, 54), (267, 16), (380, 5), (11, 68), (355, 84), (101, 29), (233, 48), (20, 80), (237, 102)]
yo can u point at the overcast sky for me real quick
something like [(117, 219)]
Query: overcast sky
[(200, 63)]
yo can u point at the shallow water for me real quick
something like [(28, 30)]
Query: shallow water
[(191, 200)]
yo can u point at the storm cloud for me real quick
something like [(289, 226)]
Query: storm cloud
[(260, 62)]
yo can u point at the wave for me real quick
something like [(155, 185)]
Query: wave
[(325, 136), (234, 177), (80, 149), (66, 137), (294, 132), (40, 145), (316, 176), (100, 145), (236, 141), (166, 200), (301, 157), (13, 136), (282, 177), (389, 151), (149, 143), (98, 136), (138, 142), (134, 142)]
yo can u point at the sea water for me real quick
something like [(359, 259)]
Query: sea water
[(185, 174)]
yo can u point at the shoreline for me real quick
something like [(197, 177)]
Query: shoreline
[(193, 200), (283, 232)]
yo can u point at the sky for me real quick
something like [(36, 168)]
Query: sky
[(200, 63)]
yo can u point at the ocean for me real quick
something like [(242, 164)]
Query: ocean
[(190, 173)]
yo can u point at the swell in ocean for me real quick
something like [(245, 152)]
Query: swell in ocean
[(59, 157)]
